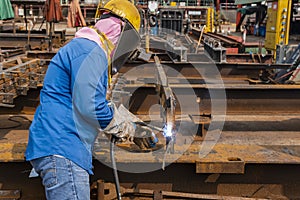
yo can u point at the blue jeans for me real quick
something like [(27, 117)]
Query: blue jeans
[(62, 178)]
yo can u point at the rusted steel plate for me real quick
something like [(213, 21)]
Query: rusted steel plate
[(246, 153), (13, 146), (273, 191), (232, 167), (229, 155), (12, 152)]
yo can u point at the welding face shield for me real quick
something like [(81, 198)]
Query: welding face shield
[(128, 41), (129, 38)]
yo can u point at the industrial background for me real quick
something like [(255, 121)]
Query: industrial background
[(224, 72)]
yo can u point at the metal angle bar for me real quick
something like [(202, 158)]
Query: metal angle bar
[(162, 77), (168, 101), (248, 66), (20, 65), (7, 106), (196, 64)]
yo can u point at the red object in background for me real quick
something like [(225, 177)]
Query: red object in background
[(275, 5), (238, 15), (53, 11), (218, 5), (232, 50), (75, 17)]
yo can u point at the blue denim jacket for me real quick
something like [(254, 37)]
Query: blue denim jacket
[(73, 104)]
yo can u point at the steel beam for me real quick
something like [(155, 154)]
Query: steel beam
[(240, 99), (194, 61), (194, 69), (35, 40)]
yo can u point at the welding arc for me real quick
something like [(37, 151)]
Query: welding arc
[(114, 166)]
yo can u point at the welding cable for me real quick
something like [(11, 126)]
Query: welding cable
[(114, 166), (17, 123)]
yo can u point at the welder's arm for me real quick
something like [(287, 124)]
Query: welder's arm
[(91, 112), (89, 83)]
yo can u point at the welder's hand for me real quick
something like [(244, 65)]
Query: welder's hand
[(120, 126), (144, 137)]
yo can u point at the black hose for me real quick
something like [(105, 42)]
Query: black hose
[(17, 122), (114, 166)]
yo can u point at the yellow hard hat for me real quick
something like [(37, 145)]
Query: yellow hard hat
[(123, 9)]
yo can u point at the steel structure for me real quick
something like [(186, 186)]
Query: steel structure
[(169, 84)]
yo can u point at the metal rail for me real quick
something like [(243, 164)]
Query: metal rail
[(18, 76), (227, 41)]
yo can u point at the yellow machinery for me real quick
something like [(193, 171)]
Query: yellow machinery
[(210, 20), (278, 23), (202, 16)]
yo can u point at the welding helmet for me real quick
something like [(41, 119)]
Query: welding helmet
[(129, 38)]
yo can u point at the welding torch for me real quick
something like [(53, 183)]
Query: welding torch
[(141, 123)]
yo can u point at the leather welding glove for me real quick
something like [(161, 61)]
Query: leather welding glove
[(144, 137), (120, 127), (123, 127)]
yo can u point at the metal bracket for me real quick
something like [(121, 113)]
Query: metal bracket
[(176, 50)]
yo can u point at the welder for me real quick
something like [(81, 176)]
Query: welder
[(73, 106)]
